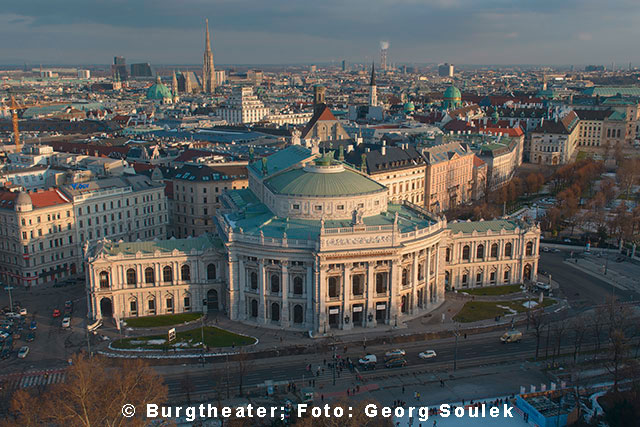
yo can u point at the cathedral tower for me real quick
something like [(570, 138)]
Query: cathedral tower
[(208, 72), (373, 90)]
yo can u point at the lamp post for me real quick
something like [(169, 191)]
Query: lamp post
[(456, 333)]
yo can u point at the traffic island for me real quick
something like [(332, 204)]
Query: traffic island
[(185, 340), (474, 311)]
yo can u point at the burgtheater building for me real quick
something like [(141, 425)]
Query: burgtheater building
[(315, 245)]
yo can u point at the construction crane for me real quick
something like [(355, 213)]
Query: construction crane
[(14, 107)]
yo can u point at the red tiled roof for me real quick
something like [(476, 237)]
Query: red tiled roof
[(477, 161), (323, 114), (190, 154), (512, 132), (7, 199), (140, 167), (43, 199)]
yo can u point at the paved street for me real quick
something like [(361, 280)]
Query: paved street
[(581, 288)]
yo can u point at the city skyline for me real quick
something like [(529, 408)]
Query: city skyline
[(249, 32)]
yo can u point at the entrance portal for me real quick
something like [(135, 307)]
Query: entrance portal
[(106, 307), (212, 300)]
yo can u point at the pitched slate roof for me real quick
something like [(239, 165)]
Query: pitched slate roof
[(200, 243), (566, 125), (322, 114), (210, 173), (396, 158), (482, 226), (593, 114), (444, 152), (281, 160)]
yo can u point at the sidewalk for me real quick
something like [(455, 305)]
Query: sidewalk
[(596, 269)]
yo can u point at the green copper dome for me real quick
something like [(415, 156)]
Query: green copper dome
[(409, 107), (453, 93), (158, 91)]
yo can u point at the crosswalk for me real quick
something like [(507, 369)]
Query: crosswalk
[(32, 379)]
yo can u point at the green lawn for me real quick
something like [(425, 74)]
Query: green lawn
[(493, 290), (474, 311), (213, 337), (583, 155), (164, 320)]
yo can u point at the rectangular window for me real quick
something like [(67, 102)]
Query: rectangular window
[(317, 207)]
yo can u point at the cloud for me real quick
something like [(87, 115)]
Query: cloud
[(284, 31)]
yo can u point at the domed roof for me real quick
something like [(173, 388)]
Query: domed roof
[(321, 180), (452, 92), (409, 107), (23, 202), (158, 91)]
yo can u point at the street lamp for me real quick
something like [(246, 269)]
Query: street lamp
[(9, 288), (456, 333)]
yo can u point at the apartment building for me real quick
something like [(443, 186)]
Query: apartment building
[(196, 193), (123, 208), (449, 175), (37, 237), (554, 142)]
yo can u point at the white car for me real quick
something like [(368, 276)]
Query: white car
[(395, 353), (22, 353), (427, 354), (66, 322), (23, 312)]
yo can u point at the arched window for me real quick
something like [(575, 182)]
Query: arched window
[(381, 283), (508, 250), (297, 285), (529, 249), (275, 283), (404, 304), (148, 275), (480, 251), (104, 279), (334, 290), (167, 274), (185, 272), (466, 253), (507, 273), (275, 312), (254, 308), (447, 256), (357, 284), (405, 276), (131, 277), (211, 272), (494, 250), (420, 271), (253, 280), (297, 314)]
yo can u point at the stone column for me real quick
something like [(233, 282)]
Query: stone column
[(395, 285), (414, 285), (346, 297), (262, 309), (309, 289), (241, 286), (322, 297), (425, 294), (370, 294), (439, 287), (284, 320), (231, 302)]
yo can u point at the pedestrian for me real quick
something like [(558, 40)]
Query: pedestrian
[(434, 423), (324, 362), (402, 389), (322, 397), (418, 396), (347, 392), (465, 336)]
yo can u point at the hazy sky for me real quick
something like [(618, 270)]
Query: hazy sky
[(307, 31)]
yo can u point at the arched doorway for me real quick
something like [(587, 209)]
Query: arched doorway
[(527, 272), (106, 307), (212, 300), (275, 312)]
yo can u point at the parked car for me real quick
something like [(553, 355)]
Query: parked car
[(545, 249), (22, 353), (12, 315), (4, 335), (395, 363), (69, 304), (30, 337), (33, 326), (543, 286), (56, 313), (23, 312), (66, 322), (427, 354), (395, 353)]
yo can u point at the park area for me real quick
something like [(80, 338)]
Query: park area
[(474, 311), (164, 320), (191, 339), (494, 290)]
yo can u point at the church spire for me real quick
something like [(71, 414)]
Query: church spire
[(373, 75), (208, 72)]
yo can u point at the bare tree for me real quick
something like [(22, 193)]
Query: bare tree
[(598, 327), (244, 364), (538, 323), (187, 385), (559, 331), (578, 329), (93, 395), (617, 354)]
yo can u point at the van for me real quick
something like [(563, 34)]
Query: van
[(368, 362), (511, 336)]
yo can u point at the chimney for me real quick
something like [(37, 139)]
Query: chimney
[(383, 150), (349, 148)]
